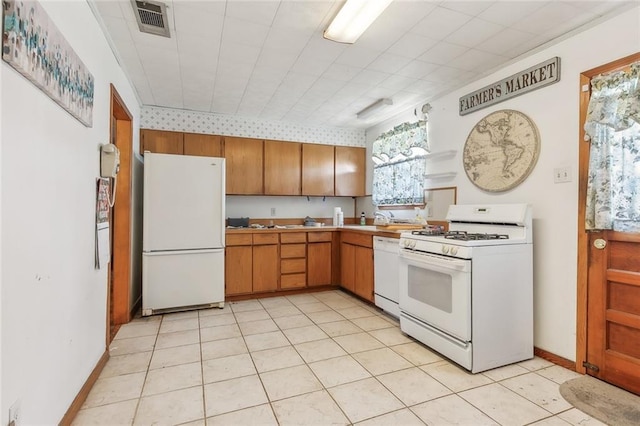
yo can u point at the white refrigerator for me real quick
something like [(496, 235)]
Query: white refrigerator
[(183, 233)]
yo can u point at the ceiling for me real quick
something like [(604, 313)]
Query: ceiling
[(267, 59)]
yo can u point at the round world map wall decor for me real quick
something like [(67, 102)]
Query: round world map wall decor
[(501, 150)]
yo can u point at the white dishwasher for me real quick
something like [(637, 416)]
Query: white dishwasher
[(386, 274)]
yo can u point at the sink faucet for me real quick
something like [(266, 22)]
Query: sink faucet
[(382, 218), (379, 213)]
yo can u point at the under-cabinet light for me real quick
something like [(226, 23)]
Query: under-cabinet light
[(354, 18)]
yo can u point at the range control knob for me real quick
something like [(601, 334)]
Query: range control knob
[(445, 249), (413, 244), (454, 250)]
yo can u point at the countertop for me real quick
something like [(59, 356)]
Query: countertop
[(366, 229)]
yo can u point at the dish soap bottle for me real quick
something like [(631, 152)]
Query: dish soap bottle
[(363, 220)]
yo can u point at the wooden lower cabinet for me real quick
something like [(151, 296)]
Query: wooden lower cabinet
[(293, 260), (356, 263), (319, 264), (265, 268), (269, 261), (364, 273), (238, 267), (348, 266)]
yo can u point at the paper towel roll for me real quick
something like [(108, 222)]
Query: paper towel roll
[(336, 212)]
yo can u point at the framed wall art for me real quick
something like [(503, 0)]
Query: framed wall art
[(33, 46)]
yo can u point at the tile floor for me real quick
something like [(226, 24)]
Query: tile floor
[(312, 359)]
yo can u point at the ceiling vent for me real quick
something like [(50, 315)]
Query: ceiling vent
[(151, 17)]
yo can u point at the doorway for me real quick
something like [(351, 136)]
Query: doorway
[(119, 274), (608, 309)]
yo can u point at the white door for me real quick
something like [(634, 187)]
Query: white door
[(183, 202)]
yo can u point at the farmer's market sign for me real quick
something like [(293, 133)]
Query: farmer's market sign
[(538, 76)]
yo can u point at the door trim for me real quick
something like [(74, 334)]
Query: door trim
[(583, 236), (121, 134)]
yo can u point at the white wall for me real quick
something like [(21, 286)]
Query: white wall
[(554, 109), (287, 207), (53, 321)]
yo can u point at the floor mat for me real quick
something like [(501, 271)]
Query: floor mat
[(607, 403)]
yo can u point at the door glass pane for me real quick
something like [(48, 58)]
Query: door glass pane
[(431, 288)]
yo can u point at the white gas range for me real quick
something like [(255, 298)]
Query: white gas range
[(468, 293)]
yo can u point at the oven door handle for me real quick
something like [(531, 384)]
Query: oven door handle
[(443, 262)]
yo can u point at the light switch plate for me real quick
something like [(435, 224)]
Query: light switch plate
[(562, 174)]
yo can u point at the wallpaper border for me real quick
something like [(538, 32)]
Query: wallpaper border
[(159, 118)]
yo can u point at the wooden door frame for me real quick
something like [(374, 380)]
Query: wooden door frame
[(121, 134), (583, 236)]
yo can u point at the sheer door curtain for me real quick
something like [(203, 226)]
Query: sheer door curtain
[(613, 128)]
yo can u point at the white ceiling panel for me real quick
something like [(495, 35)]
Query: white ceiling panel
[(411, 45), (397, 82), (193, 20), (389, 62), (471, 8), (302, 15), (407, 13), (276, 60), (551, 15), (508, 14), (443, 53), (474, 32), (258, 12), (287, 40), (311, 66), (268, 59), (358, 56), (244, 32), (417, 69), (505, 41), (440, 23), (236, 53)]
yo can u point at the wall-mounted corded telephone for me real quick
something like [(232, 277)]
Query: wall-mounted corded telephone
[(109, 167), (109, 160)]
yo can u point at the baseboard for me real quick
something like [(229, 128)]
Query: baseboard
[(75, 406), (558, 360), (315, 289)]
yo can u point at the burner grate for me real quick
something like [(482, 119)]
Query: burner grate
[(429, 232), (465, 236)]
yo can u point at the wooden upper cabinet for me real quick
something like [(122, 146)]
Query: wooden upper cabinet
[(203, 145), (161, 141), (282, 168), (350, 171), (317, 169), (244, 165)]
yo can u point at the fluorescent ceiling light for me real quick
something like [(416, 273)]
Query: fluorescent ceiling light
[(374, 107), (353, 19)]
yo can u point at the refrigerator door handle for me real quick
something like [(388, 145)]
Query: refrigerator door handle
[(175, 252)]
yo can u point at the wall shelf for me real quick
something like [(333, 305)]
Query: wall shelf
[(441, 154), (445, 175)]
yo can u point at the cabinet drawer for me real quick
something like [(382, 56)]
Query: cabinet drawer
[(293, 280), (265, 239), (315, 237), (293, 250), (292, 266), (293, 237), (238, 239), (357, 239)]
